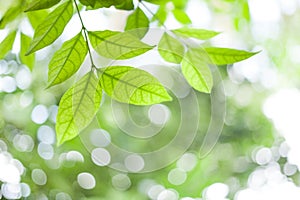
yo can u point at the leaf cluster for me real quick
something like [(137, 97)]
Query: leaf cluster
[(126, 84)]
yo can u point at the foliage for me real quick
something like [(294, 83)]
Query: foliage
[(81, 101)]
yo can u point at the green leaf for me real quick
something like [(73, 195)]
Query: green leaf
[(36, 17), (117, 45), (138, 22), (200, 34), (196, 71), (88, 2), (119, 4), (224, 56), (6, 44), (132, 85), (10, 15), (52, 27), (181, 16), (40, 4), (67, 60), (125, 5), (27, 60), (78, 107), (170, 49), (160, 15)]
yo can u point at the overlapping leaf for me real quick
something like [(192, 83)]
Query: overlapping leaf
[(196, 70), (132, 85), (67, 60), (223, 56), (36, 17), (170, 49), (52, 27), (41, 4), (30, 59), (117, 45), (200, 34), (6, 44), (78, 107), (138, 22)]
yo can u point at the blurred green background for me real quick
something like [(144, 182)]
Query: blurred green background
[(255, 157)]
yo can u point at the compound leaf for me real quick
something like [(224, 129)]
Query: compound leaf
[(30, 59), (170, 49), (131, 85), (67, 60), (196, 71), (117, 45), (52, 27), (6, 44), (78, 107), (200, 34)]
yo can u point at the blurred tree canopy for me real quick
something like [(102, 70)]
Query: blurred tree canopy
[(149, 99)]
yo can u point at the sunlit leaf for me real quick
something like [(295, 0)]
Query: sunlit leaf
[(117, 45), (41, 4), (6, 44), (67, 60), (30, 59), (36, 17), (138, 22), (181, 16), (196, 71), (200, 34), (223, 56), (132, 85), (170, 49), (78, 107), (52, 27), (10, 15), (160, 15)]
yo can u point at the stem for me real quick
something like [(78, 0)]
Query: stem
[(162, 24), (84, 30)]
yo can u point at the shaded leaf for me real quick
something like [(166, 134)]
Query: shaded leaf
[(40, 4), (200, 34), (170, 49), (10, 15), (117, 45), (181, 16), (223, 56), (52, 27), (132, 85), (119, 4), (30, 59), (7, 44), (88, 2), (138, 22), (78, 107), (67, 60), (196, 70)]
